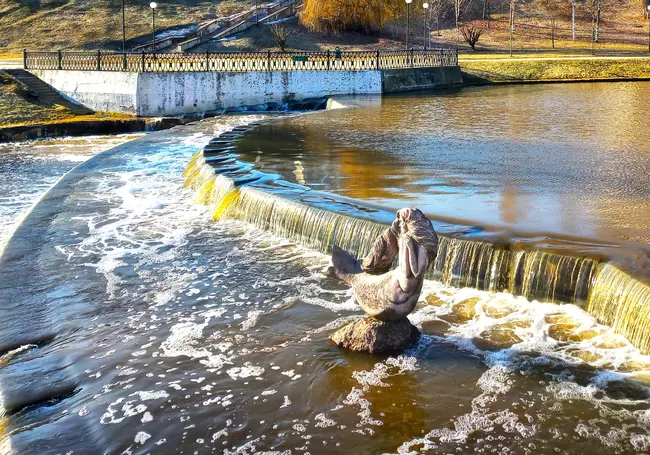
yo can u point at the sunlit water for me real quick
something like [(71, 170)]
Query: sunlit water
[(136, 325), (569, 160)]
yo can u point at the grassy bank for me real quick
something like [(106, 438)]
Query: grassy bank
[(535, 69), (19, 106)]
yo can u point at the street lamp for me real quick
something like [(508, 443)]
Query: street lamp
[(408, 19), (153, 6), (123, 37), (425, 5), (123, 29)]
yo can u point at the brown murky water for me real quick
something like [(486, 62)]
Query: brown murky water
[(151, 329), (568, 160)]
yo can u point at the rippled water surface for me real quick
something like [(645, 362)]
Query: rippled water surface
[(28, 169), (565, 159), (132, 323)]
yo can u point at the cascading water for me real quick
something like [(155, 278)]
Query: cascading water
[(151, 330), (615, 298)]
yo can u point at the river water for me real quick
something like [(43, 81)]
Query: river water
[(132, 323), (561, 159), (28, 169)]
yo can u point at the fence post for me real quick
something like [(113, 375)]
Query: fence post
[(143, 70), (412, 52), (328, 59), (124, 61), (24, 58), (268, 61), (207, 60), (442, 57), (59, 59), (99, 60), (378, 59)]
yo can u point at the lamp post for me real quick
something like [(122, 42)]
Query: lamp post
[(123, 29), (425, 5), (408, 21), (123, 36), (153, 6)]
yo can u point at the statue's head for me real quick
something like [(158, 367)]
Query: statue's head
[(414, 224)]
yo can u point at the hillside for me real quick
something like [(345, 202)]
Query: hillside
[(94, 24)]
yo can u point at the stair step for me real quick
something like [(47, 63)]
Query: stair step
[(45, 92)]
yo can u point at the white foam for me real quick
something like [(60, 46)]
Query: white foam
[(141, 437)]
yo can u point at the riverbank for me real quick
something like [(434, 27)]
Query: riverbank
[(499, 70)]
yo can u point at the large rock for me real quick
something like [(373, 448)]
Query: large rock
[(376, 337)]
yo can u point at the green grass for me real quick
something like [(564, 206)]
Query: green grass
[(550, 70)]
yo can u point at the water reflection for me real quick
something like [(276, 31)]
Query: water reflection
[(566, 159)]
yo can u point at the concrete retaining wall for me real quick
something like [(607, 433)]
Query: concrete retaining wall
[(103, 91), (173, 93), (178, 93), (403, 80)]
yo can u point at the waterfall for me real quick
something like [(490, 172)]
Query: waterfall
[(623, 303), (611, 295)]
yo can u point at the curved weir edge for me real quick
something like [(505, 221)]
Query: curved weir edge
[(611, 295)]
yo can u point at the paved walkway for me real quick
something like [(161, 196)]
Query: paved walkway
[(11, 63), (568, 57)]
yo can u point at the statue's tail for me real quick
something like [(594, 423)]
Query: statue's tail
[(343, 265)]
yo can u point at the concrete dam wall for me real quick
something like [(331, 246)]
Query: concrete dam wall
[(172, 93)]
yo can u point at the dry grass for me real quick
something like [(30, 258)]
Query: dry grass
[(94, 24), (18, 106), (552, 70)]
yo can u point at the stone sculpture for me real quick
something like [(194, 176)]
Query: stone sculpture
[(387, 296)]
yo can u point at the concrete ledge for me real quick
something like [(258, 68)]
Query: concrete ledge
[(402, 80)]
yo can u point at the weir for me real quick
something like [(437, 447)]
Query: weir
[(610, 294)]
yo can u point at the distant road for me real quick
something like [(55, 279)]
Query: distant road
[(505, 57), (10, 63)]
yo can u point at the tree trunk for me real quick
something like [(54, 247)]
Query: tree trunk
[(573, 18), (512, 23), (598, 22), (553, 33), (457, 11)]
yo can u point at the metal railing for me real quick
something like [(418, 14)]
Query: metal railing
[(239, 61)]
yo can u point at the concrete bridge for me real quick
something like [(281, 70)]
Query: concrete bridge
[(160, 84)]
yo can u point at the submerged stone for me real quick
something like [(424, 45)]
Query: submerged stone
[(376, 337)]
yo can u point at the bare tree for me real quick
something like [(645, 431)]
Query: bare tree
[(471, 34), (282, 35), (486, 11), (459, 9), (513, 8), (597, 8), (437, 8), (573, 19), (554, 10)]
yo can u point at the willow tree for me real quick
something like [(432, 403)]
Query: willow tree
[(341, 15)]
